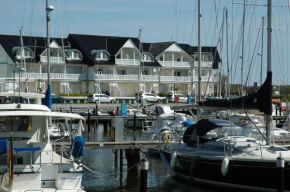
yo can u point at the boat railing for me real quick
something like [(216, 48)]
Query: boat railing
[(20, 159)]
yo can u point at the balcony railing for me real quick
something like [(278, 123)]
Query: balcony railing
[(203, 64), (175, 64), (43, 59), (53, 76), (127, 62)]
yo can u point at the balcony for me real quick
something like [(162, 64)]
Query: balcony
[(153, 78), (60, 60), (127, 62), (128, 78), (53, 76), (175, 64), (203, 64)]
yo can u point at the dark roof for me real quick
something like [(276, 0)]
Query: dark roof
[(36, 44), (87, 43), (157, 48)]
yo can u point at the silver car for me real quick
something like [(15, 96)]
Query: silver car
[(93, 98), (149, 97)]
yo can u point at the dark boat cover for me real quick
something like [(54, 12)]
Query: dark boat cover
[(261, 100)]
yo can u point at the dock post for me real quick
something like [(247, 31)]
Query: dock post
[(121, 161), (144, 175), (134, 127), (132, 156), (280, 173), (89, 124)]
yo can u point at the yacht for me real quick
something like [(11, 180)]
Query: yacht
[(35, 163), (221, 153)]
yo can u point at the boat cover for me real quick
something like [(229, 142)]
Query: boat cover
[(3, 146), (79, 144), (261, 100)]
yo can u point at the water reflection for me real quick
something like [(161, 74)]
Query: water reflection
[(106, 163)]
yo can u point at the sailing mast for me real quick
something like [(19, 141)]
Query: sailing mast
[(139, 68), (199, 52), (269, 68)]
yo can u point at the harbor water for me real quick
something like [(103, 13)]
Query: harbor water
[(105, 168)]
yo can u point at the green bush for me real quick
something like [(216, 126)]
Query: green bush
[(161, 94)]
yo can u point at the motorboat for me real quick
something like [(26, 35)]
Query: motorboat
[(221, 153), (35, 163), (171, 124)]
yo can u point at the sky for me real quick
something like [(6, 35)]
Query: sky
[(163, 21)]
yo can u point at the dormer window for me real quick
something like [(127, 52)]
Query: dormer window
[(148, 57), (23, 52), (101, 55), (73, 54)]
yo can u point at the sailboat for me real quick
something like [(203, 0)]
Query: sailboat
[(220, 153)]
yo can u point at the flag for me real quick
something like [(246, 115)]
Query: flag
[(10, 161)]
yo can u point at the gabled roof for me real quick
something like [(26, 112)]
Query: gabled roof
[(87, 43), (157, 48), (36, 44)]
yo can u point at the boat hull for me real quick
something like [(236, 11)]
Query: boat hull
[(246, 175)]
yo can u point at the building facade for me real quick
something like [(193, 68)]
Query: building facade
[(112, 65)]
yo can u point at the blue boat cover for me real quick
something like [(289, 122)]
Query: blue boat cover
[(79, 144), (3, 146), (47, 100), (188, 123)]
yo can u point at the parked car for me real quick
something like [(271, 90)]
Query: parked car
[(149, 97), (93, 98), (176, 98), (58, 99)]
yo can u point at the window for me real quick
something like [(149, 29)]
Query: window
[(178, 60), (161, 58), (121, 72), (101, 55), (23, 52), (145, 72), (177, 73), (22, 123), (148, 57)]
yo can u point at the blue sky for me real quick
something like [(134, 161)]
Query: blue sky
[(161, 20)]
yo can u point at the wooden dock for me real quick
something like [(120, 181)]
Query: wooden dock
[(118, 144)]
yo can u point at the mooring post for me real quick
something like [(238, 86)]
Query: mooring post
[(134, 127), (89, 124), (121, 161), (144, 175), (280, 173)]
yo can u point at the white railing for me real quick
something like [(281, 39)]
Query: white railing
[(174, 79), (43, 59), (58, 76), (203, 64), (127, 62), (175, 64), (134, 78)]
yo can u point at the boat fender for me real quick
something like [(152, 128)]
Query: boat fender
[(225, 166), (192, 170), (173, 160)]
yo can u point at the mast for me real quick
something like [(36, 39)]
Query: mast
[(243, 49), (199, 52), (228, 67), (269, 67), (140, 56), (263, 25)]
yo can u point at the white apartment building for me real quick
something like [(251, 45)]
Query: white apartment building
[(88, 63)]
